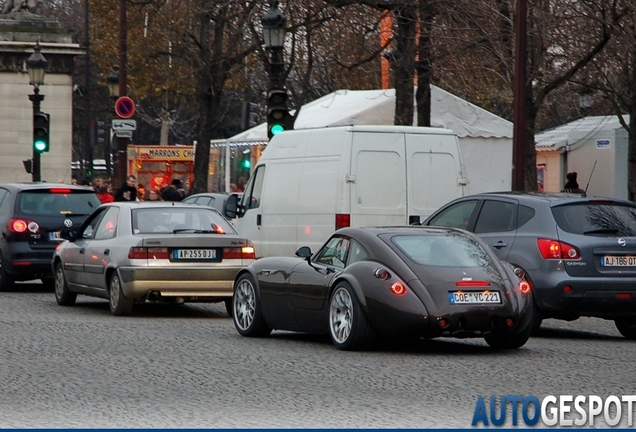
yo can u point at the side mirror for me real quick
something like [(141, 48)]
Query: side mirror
[(69, 235), (230, 210), (303, 252)]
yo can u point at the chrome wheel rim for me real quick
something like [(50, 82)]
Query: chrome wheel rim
[(59, 282), (114, 292), (244, 304), (341, 315)]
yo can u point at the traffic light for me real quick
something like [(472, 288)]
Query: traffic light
[(28, 165), (249, 115), (278, 117), (246, 163), (100, 133), (41, 122)]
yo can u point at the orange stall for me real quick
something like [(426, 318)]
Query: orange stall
[(156, 166)]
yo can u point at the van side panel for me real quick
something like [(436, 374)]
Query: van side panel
[(377, 180), (434, 173)]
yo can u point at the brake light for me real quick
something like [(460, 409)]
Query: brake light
[(398, 288), (245, 252), (60, 190), (467, 283), (553, 249), (20, 226), (524, 286), (148, 253), (343, 220)]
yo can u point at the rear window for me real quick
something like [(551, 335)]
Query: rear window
[(596, 218), (55, 202), (442, 250), (169, 219)]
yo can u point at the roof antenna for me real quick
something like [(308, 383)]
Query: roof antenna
[(588, 180)]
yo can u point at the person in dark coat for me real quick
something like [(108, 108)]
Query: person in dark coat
[(571, 185), (127, 191), (170, 192)]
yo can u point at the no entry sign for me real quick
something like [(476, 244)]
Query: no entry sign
[(124, 107)]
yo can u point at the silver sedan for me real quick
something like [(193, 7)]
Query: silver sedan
[(130, 252)]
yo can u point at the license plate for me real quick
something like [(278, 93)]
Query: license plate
[(618, 261), (195, 254), (55, 236), (474, 297)]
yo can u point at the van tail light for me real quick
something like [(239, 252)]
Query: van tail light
[(554, 249), (148, 253), (20, 226), (343, 220)]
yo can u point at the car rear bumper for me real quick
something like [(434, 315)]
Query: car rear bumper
[(26, 263), (138, 283), (598, 297)]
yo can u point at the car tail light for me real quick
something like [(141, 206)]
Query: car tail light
[(60, 190), (623, 296), (148, 253), (398, 288), (467, 283), (524, 286), (158, 253), (554, 249), (510, 322), (343, 220), (22, 225), (245, 252)]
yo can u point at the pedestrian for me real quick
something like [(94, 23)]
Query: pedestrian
[(571, 185), (170, 192), (127, 191), (141, 192), (104, 194), (154, 195)]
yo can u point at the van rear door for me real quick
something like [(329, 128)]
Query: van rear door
[(433, 173), (378, 188)]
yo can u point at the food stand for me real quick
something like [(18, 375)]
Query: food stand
[(156, 166)]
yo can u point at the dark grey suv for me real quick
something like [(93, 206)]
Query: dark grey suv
[(579, 252), (31, 218)]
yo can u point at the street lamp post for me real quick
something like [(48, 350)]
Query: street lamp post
[(278, 118), (113, 92), (36, 66)]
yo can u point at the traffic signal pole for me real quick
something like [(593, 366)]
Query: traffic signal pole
[(36, 98)]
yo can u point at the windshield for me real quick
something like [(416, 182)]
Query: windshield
[(180, 219), (48, 202), (596, 218), (443, 250)]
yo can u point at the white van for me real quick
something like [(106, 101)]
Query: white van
[(311, 182)]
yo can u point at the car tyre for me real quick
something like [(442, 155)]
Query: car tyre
[(626, 327), (7, 281), (246, 309), (537, 318), (228, 306), (511, 341), (63, 296), (119, 305), (348, 326)]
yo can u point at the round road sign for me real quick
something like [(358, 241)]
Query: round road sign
[(124, 107)]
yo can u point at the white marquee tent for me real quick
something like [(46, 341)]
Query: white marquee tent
[(482, 135)]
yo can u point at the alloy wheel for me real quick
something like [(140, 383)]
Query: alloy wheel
[(341, 315), (244, 304)]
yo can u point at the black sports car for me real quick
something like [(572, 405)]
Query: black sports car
[(387, 282)]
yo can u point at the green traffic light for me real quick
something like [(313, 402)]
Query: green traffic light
[(247, 163), (276, 129), (40, 145)]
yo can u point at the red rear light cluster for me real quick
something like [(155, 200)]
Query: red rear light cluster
[(148, 253), (554, 249), (470, 283), (245, 252), (60, 191), (524, 286), (343, 220), (398, 288), (20, 226)]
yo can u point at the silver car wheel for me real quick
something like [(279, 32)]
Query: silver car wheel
[(115, 291), (59, 282), (341, 315), (244, 304)]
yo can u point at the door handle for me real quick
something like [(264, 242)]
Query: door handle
[(106, 251), (81, 251), (500, 244), (258, 220)]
